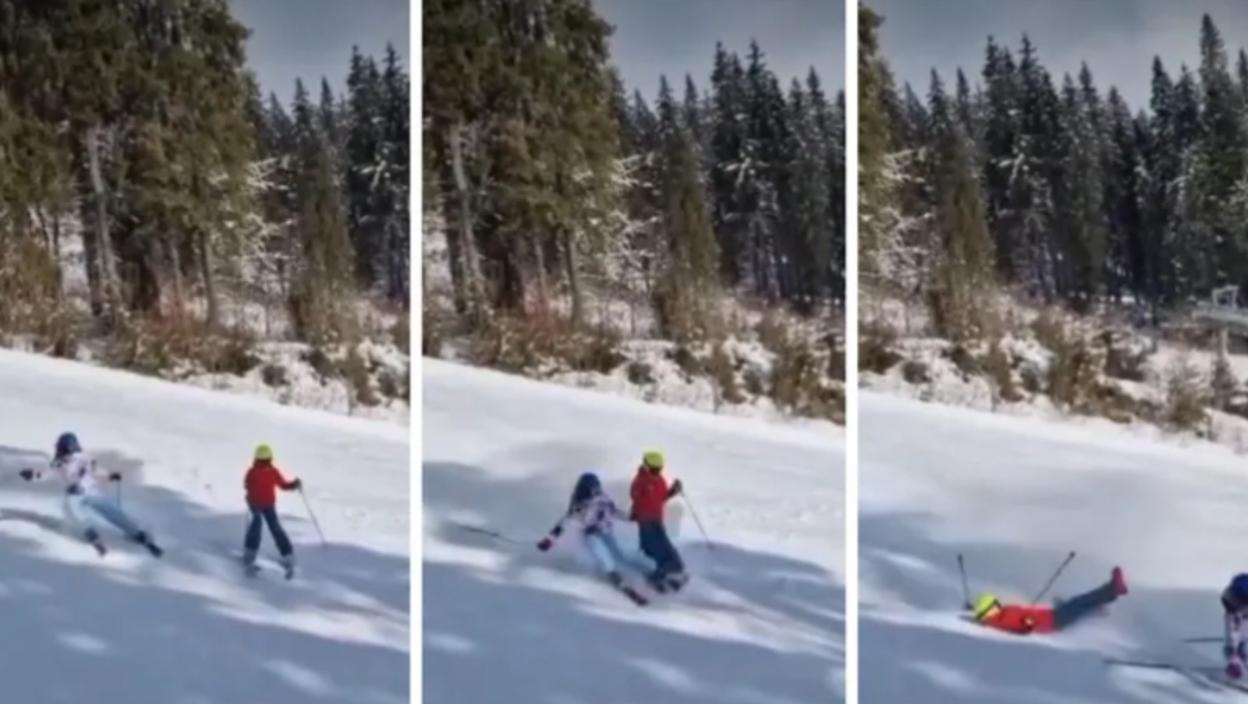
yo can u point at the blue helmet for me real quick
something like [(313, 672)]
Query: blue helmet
[(1239, 587), (587, 487), (67, 444)]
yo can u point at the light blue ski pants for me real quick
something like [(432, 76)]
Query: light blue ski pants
[(86, 511), (606, 552)]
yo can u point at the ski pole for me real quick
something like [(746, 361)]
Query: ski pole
[(485, 531), (966, 592), (1056, 574), (692, 512), (311, 515)]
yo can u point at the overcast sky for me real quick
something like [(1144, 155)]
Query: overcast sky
[(676, 37), (309, 39), (1118, 38)]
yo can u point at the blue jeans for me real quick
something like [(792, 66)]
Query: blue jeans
[(251, 543), (1074, 609), (658, 547)]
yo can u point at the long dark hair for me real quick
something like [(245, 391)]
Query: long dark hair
[(587, 487)]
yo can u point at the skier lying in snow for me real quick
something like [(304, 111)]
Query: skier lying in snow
[(83, 505), (1235, 621), (262, 481), (650, 494), (1020, 619), (593, 512)]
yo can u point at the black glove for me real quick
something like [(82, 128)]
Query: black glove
[(27, 474), (114, 477), (545, 543), (297, 484), (677, 487)]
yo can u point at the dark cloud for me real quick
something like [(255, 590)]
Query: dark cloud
[(309, 39), (676, 37), (1117, 38)]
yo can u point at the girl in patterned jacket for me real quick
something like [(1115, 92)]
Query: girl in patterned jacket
[(84, 507), (591, 514)]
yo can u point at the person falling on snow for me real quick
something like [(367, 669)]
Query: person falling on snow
[(1020, 619), (262, 481), (593, 513), (1235, 624), (650, 494), (83, 506)]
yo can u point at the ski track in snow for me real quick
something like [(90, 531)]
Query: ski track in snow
[(190, 629), (762, 620), (1015, 496)]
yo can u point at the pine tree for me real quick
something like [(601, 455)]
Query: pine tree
[(728, 141), (686, 289), (875, 195), (324, 263), (963, 246), (1221, 237)]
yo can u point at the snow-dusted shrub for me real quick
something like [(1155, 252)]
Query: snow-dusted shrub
[(723, 371), (915, 371), (1000, 371), (1186, 396), (877, 347), (798, 381), (160, 346)]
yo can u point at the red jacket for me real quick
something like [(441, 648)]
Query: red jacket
[(262, 481), (649, 493), (1022, 619)]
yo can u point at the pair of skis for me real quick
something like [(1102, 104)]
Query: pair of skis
[(253, 569), (102, 550), (1207, 676), (667, 586)]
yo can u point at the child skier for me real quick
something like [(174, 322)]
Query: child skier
[(1016, 618), (262, 482), (593, 512), (650, 494), (1235, 623), (83, 505)]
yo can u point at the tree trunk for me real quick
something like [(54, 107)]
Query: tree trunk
[(175, 265), (96, 244), (574, 280), (56, 256), (471, 267), (210, 284), (543, 287)]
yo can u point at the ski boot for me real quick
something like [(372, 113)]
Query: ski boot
[(250, 568), (676, 581), (288, 565), (1119, 582), (94, 539), (657, 582), (142, 538)]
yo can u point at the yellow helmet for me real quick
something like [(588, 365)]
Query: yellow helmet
[(985, 605), (264, 453), (653, 459)]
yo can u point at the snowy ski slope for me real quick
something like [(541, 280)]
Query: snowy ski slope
[(189, 629), (1015, 496), (760, 623)]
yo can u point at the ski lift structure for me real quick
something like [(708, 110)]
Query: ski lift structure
[(1224, 314)]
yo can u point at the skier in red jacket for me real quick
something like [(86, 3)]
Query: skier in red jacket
[(650, 493), (1020, 619), (262, 482)]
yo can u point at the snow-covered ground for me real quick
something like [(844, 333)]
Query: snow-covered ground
[(760, 623), (190, 628), (1015, 495)]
